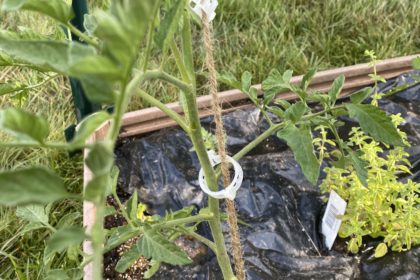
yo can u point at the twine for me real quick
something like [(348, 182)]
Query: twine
[(220, 136)]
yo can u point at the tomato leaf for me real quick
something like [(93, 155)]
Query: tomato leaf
[(296, 111), (132, 206), (128, 259), (306, 80), (246, 81), (24, 126), (33, 213), (53, 55), (88, 126), (169, 25), (6, 88), (31, 185), (229, 79), (300, 141), (154, 267), (359, 96), (63, 239), (336, 88), (57, 9), (153, 245), (375, 123)]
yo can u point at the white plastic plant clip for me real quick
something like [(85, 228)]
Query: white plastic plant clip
[(230, 191), (208, 6)]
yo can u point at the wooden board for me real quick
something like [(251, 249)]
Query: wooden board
[(152, 119)]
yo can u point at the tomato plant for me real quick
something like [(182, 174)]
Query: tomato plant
[(113, 66)]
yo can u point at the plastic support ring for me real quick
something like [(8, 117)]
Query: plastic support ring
[(206, 6), (230, 191)]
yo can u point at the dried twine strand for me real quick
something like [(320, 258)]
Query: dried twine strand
[(220, 136)]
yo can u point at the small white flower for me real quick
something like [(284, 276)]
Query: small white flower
[(208, 6)]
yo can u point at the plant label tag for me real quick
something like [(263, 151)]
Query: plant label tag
[(330, 223)]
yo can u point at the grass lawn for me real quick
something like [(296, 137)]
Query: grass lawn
[(251, 35)]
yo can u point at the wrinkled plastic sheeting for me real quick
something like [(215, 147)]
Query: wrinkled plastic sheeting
[(282, 210)]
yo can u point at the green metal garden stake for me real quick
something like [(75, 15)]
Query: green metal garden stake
[(83, 106)]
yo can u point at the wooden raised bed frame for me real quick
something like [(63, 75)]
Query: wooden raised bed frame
[(152, 119)]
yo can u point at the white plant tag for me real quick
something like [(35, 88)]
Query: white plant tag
[(330, 223)]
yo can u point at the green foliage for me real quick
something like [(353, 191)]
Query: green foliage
[(49, 55), (24, 126), (276, 83), (100, 161), (169, 25), (385, 207), (128, 259), (154, 267), (336, 88), (359, 96), (416, 63), (30, 185), (88, 126), (153, 245), (63, 239), (375, 123), (57, 9), (10, 87), (299, 140), (33, 213), (132, 206)]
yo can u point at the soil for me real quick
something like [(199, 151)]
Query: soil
[(111, 258)]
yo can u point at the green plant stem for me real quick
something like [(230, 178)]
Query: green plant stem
[(158, 74), (123, 210), (265, 115), (184, 221), (98, 238), (272, 129), (170, 113), (36, 85), (82, 35), (200, 238), (337, 137), (310, 116), (211, 180), (47, 145), (186, 41), (200, 149), (179, 62), (196, 137)]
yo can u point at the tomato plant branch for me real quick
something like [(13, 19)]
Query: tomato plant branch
[(122, 209), (200, 238), (158, 74), (82, 35), (36, 85), (184, 221), (187, 47), (200, 148), (272, 129), (46, 145), (170, 113), (179, 61)]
